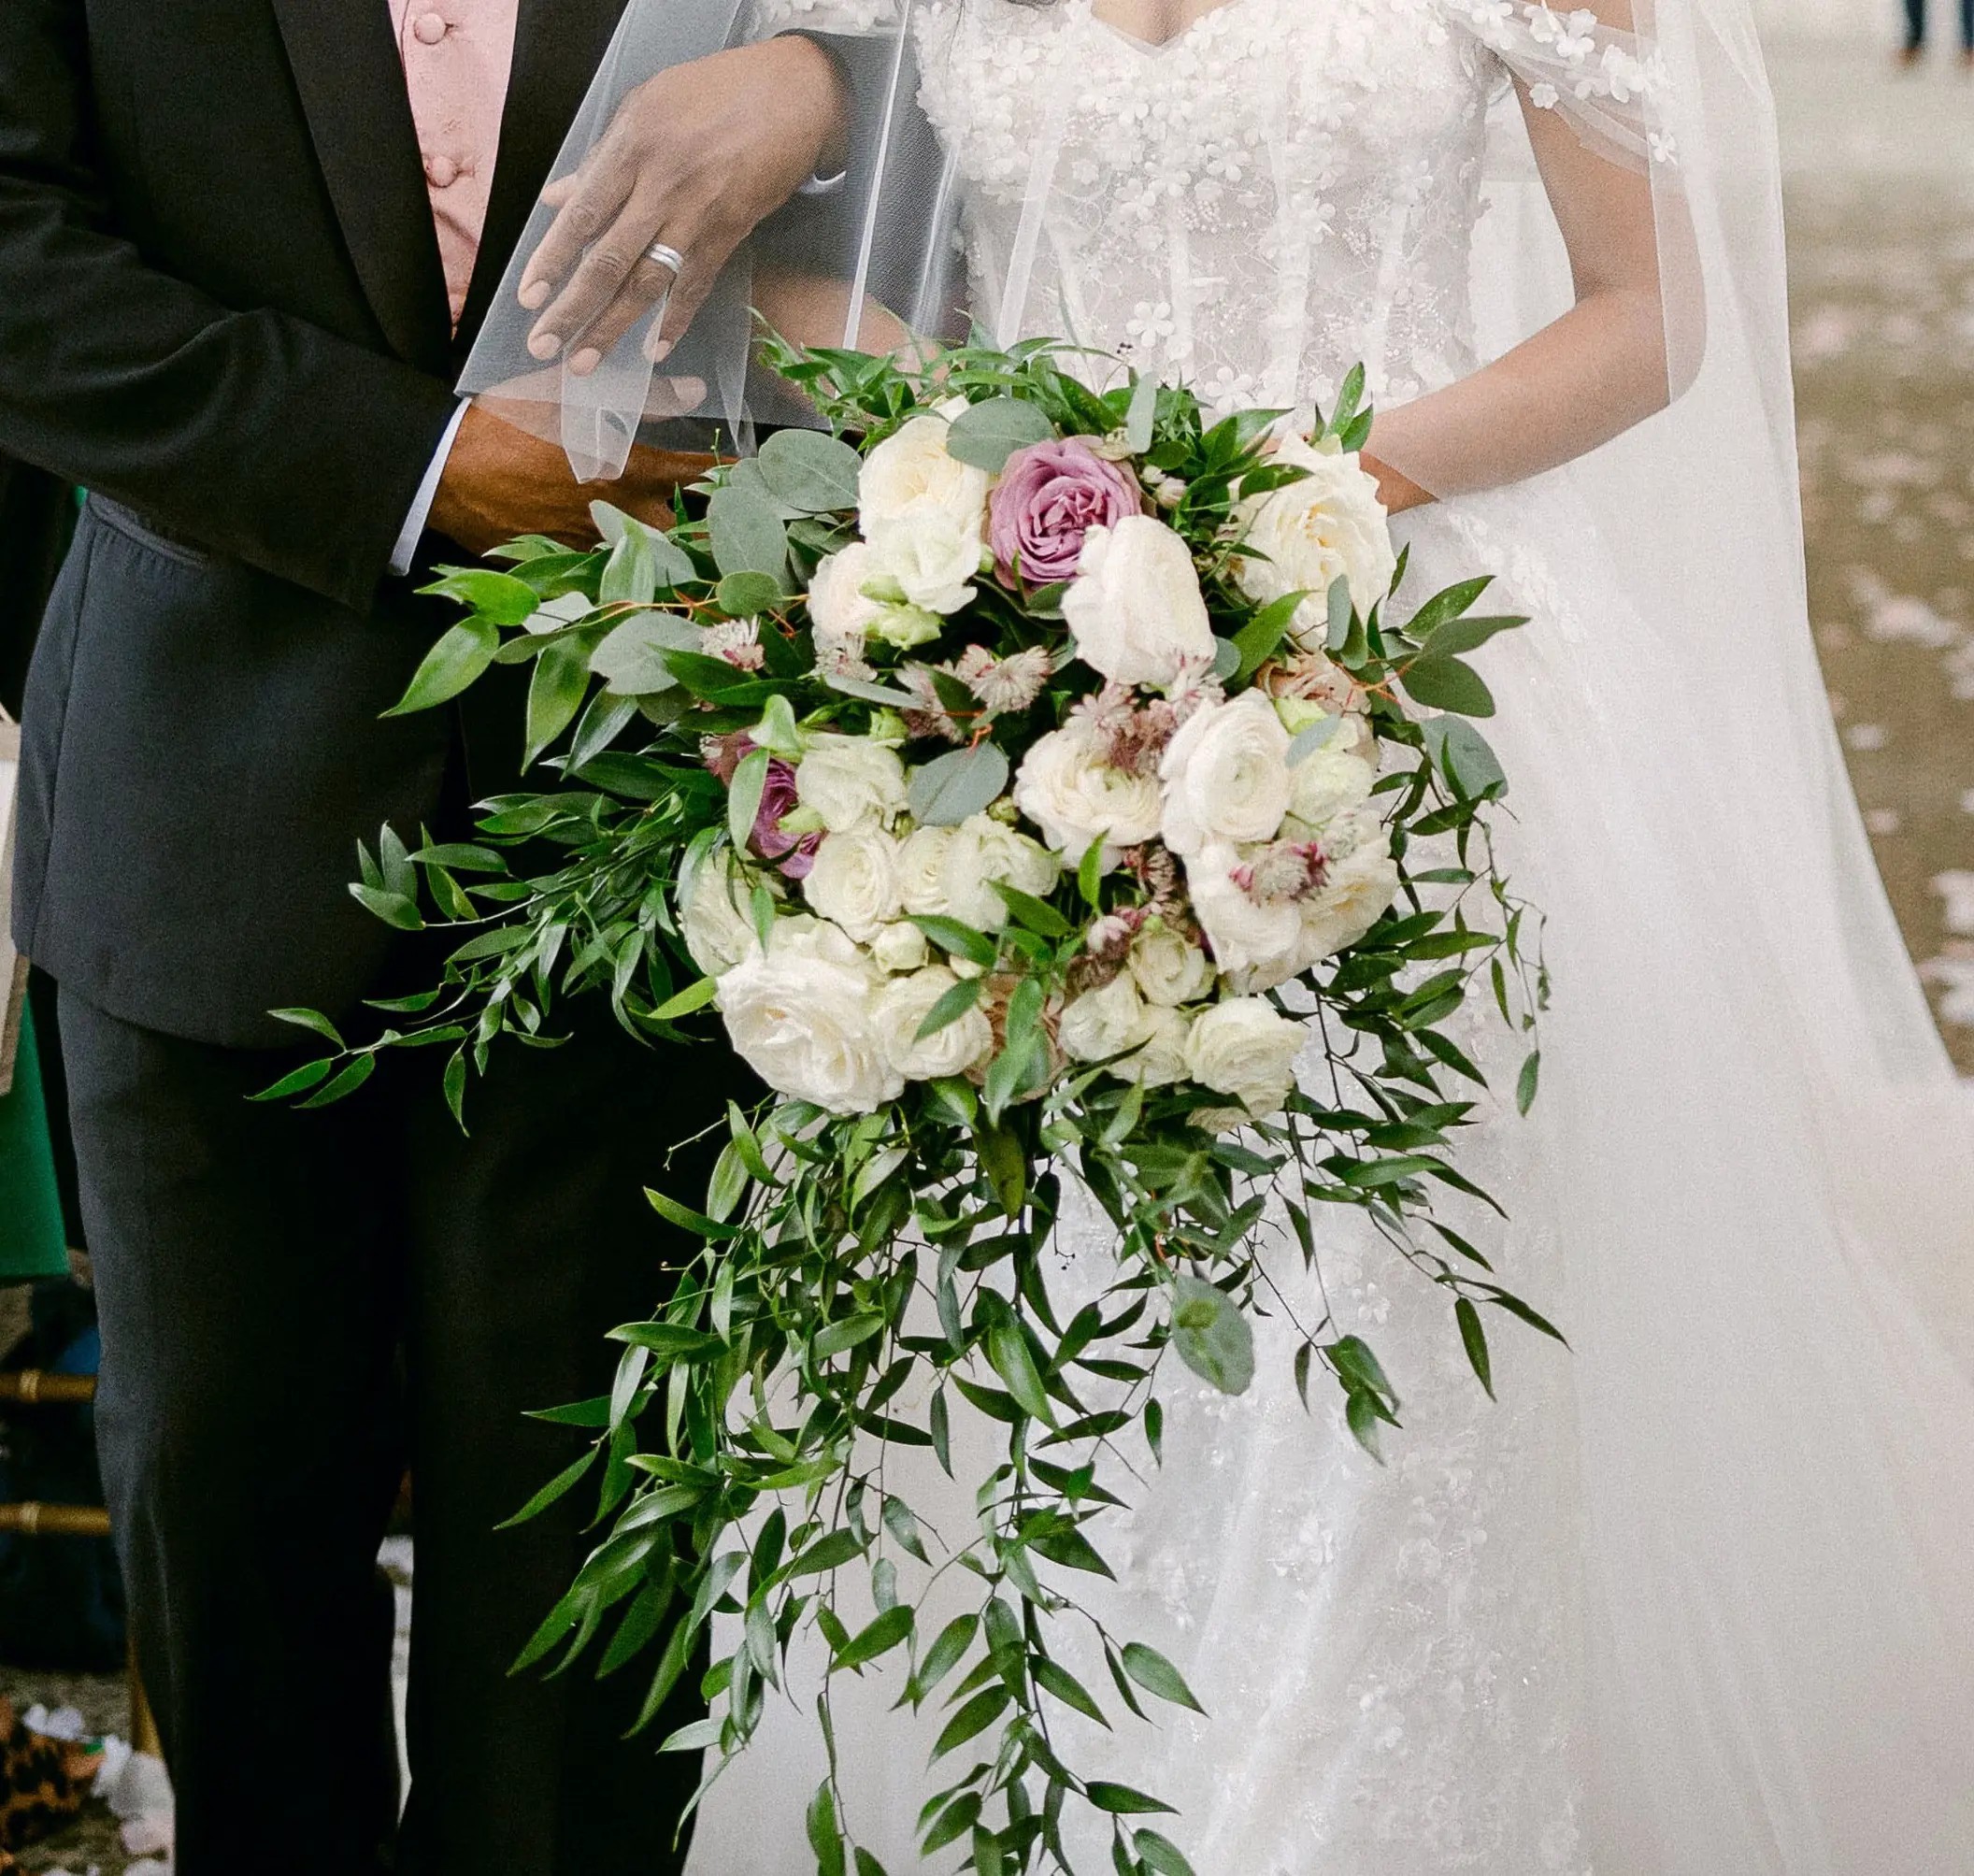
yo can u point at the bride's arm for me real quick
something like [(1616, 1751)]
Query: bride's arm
[(1580, 380)]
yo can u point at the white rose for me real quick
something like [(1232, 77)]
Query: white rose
[(1257, 945), (903, 1006), (1075, 797), (1327, 782), (801, 1016), (1168, 967), (1330, 524), (926, 564), (911, 475), (983, 849), (1104, 1022), (1135, 606), (921, 871), (1161, 1059), (1226, 775), (900, 947), (1246, 1049), (716, 919), (854, 882), (1353, 898), (840, 612), (849, 781)]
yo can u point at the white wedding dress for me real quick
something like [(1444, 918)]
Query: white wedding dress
[(1693, 1599)]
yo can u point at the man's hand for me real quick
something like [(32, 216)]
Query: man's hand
[(696, 158), (500, 482)]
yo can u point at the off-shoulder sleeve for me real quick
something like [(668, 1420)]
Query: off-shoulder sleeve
[(1611, 83)]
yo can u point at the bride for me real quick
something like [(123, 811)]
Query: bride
[(1695, 1596)]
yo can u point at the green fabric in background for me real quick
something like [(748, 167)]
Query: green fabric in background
[(30, 1235)]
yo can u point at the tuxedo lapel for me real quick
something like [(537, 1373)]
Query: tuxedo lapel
[(353, 91), (558, 46)]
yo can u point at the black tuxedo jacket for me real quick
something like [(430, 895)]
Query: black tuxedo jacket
[(222, 312)]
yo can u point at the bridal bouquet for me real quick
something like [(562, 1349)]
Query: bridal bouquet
[(1022, 779)]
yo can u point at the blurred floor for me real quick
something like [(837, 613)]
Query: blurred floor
[(1880, 176)]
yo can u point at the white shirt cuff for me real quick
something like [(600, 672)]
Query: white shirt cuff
[(824, 185), (401, 555)]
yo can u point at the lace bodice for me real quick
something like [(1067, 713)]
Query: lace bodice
[(1284, 189)]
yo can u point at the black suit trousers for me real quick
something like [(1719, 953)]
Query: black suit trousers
[(294, 1304)]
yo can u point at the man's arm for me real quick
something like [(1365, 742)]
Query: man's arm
[(254, 433)]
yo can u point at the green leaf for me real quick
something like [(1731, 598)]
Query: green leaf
[(973, 1719), (1257, 639), (1526, 1082), (556, 1486), (810, 471), (1212, 1334), (499, 596), (886, 1633), (1054, 1679), (631, 659), (1447, 605), (946, 1653), (1160, 1854), (1447, 684), (1468, 634), (1089, 873), (1142, 416), (985, 435), (1156, 1675), (685, 1218), (953, 1005), (1008, 1350), (836, 1337), (394, 909), (1342, 614), (825, 1837), (743, 798), (945, 791), (630, 575), (828, 1553), (1464, 756), (555, 693), (694, 996), (353, 1078), (746, 534), (459, 657), (962, 940), (1039, 915), (1473, 1337), (743, 594), (1121, 1800), (299, 1080), (312, 1020)]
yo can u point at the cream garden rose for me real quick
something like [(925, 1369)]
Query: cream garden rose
[(1226, 775), (921, 871), (840, 612), (931, 562), (716, 919), (1104, 1022), (1168, 967), (1330, 525), (1066, 788), (983, 849), (1245, 1048), (849, 781), (1135, 607), (902, 1008), (900, 947), (1256, 943), (910, 476), (802, 1014), (854, 882), (1160, 1057), (1355, 897), (1328, 781)]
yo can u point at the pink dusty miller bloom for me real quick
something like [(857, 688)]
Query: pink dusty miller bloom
[(1004, 684), (1131, 736), (1283, 870), (1049, 496)]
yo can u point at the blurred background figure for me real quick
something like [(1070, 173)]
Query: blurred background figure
[(1914, 49)]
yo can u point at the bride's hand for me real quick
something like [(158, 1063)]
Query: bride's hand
[(695, 158)]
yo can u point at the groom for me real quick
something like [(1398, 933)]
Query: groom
[(245, 246)]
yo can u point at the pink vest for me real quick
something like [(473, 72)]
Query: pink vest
[(457, 54)]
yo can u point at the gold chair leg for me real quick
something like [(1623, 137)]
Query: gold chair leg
[(143, 1725)]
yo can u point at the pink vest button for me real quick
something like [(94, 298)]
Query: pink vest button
[(442, 172), (430, 28)]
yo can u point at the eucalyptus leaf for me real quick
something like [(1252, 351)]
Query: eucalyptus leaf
[(630, 661), (946, 790), (985, 435), (1447, 684), (746, 534), (810, 471)]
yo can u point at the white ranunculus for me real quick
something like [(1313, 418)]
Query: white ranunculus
[(1328, 781), (854, 882), (716, 919), (921, 871), (1135, 607), (900, 947), (903, 1006), (1104, 1022), (1170, 967), (911, 475), (1161, 1059), (851, 781), (932, 562), (1330, 524), (1255, 944), (1066, 788), (1226, 775), (983, 850), (840, 612), (1352, 899), (801, 1015), (1247, 1049)]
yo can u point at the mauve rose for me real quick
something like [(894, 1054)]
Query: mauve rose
[(1049, 496), (796, 853)]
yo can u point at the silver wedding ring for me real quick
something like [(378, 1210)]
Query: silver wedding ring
[(670, 258)]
